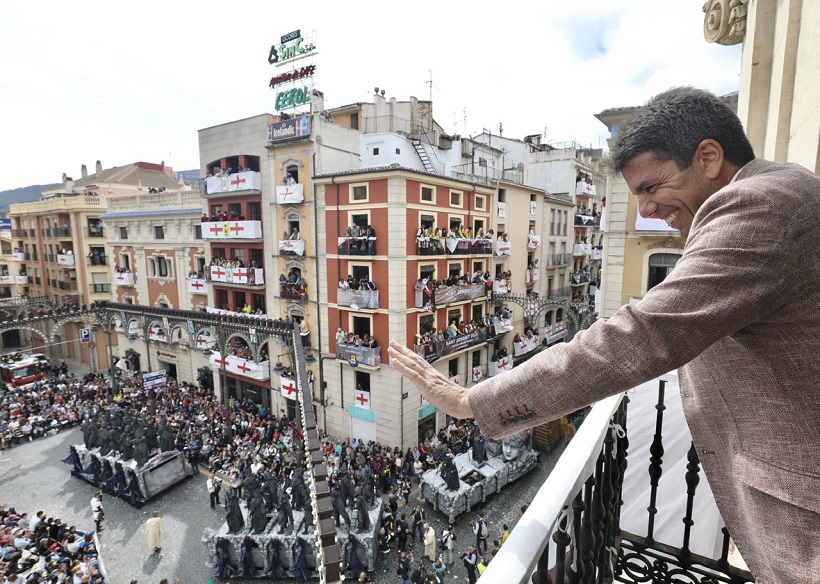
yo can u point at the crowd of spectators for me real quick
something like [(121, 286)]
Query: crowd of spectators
[(40, 548), (293, 286), (156, 190), (350, 283), (216, 171), (220, 215), (346, 338)]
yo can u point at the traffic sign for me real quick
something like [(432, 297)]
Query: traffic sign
[(92, 344), (85, 335)]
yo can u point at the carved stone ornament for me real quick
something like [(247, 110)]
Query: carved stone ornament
[(725, 21)]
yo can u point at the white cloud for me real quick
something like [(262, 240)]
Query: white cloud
[(125, 82)]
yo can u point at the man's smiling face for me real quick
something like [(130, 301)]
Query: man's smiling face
[(665, 191)]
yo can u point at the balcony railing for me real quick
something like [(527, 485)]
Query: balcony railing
[(123, 278), (101, 288), (453, 246), (97, 260), (236, 276), (359, 355), (582, 524), (19, 233), (96, 232), (64, 259), (292, 247), (240, 181), (33, 256), (232, 230), (252, 315), (587, 220), (444, 295), (358, 299), (357, 245), (67, 286), (18, 256), (579, 278), (557, 293), (437, 349), (239, 366)]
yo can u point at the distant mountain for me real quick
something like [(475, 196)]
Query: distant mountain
[(21, 195), (32, 192)]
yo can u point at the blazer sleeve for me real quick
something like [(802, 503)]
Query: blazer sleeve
[(733, 271)]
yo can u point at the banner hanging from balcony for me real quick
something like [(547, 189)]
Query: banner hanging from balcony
[(65, 259), (232, 230), (502, 325), (243, 367), (500, 366), (477, 374), (524, 344), (197, 286), (532, 275), (359, 299), (533, 207), (157, 333), (502, 209), (249, 276), (292, 247), (240, 181), (361, 398), (287, 194), (585, 188), (359, 355), (500, 287), (502, 247), (288, 388), (533, 241), (124, 278)]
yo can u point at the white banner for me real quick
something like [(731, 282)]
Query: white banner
[(533, 207), (533, 241), (502, 325), (502, 247), (361, 398), (500, 366), (292, 247), (157, 333), (252, 276), (6, 279), (525, 345), (65, 259), (240, 181), (204, 340), (477, 374), (502, 209), (124, 278), (500, 287), (243, 367), (232, 230), (288, 388), (581, 249), (197, 286), (584, 188), (290, 194)]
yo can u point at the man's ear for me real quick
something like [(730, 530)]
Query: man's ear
[(708, 159)]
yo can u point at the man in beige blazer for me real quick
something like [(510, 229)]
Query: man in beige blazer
[(739, 315)]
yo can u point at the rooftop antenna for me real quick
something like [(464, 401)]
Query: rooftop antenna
[(465, 121), (430, 83), (500, 129)]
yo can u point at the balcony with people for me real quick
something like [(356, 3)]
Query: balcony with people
[(359, 349), (579, 277), (584, 185), (65, 257), (239, 361), (430, 293), (234, 272), (456, 336), (230, 224), (234, 174), (95, 228), (96, 257), (290, 192), (457, 240), (582, 248), (293, 286), (360, 294), (358, 240), (196, 283)]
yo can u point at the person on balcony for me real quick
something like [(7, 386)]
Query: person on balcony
[(745, 368)]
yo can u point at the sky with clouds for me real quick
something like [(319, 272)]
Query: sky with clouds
[(127, 81)]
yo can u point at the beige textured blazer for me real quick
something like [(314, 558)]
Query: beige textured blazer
[(740, 317)]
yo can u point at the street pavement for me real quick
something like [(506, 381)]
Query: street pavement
[(34, 478)]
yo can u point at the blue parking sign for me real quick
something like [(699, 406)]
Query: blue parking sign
[(85, 335)]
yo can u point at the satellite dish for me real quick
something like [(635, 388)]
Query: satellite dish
[(520, 167)]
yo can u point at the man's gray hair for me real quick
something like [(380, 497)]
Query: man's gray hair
[(672, 124)]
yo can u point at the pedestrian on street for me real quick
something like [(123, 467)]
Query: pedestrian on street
[(402, 532), (214, 485), (440, 568), (384, 549), (418, 525), (471, 563), (155, 529), (448, 538), (404, 567), (481, 532), (429, 542), (97, 511)]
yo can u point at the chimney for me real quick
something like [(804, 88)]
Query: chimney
[(65, 177), (84, 171), (99, 167)]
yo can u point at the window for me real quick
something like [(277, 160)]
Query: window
[(375, 151), (362, 220), (565, 223), (455, 198), (362, 380), (238, 254), (398, 151), (256, 255), (452, 367), (478, 311), (293, 171), (478, 266), (359, 271), (128, 299), (234, 209), (476, 358), (454, 316), (478, 225), (199, 262), (198, 231), (258, 302), (239, 300), (123, 233), (222, 299), (125, 261), (354, 121), (159, 232), (455, 223), (294, 223), (427, 221), (361, 325), (427, 323), (552, 221), (428, 194), (218, 253), (454, 269), (660, 266), (500, 228), (427, 271), (480, 202), (502, 195), (482, 162), (359, 192), (254, 212), (159, 267)]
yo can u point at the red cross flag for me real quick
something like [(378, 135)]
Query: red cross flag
[(288, 388), (362, 399)]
